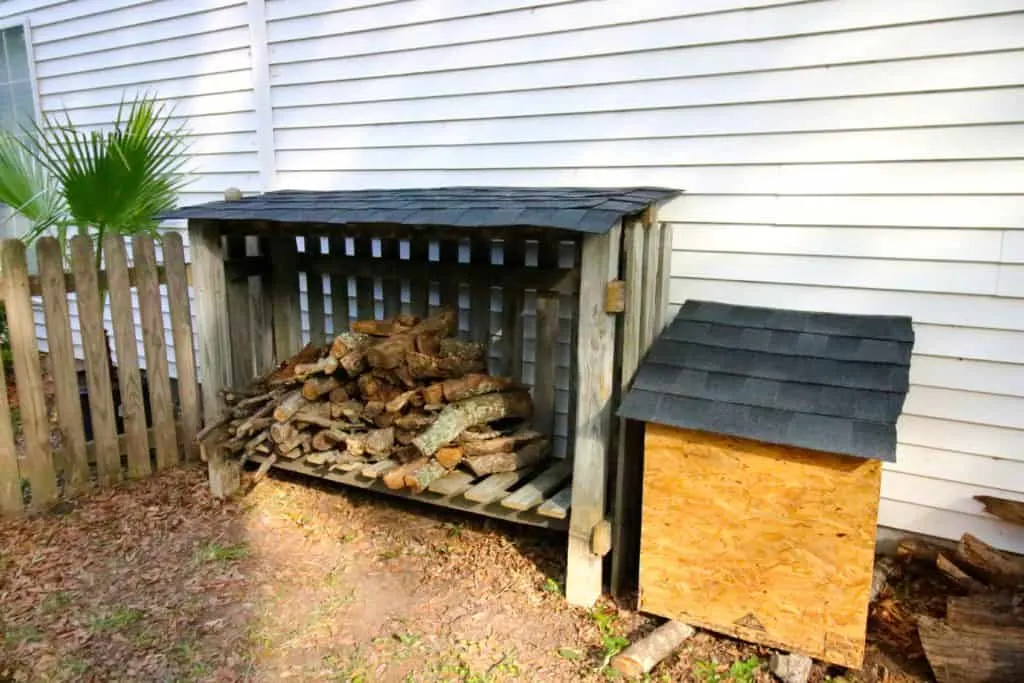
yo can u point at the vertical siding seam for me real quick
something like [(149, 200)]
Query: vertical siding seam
[(260, 65)]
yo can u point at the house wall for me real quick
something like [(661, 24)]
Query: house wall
[(860, 156)]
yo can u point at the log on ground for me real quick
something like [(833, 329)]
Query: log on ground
[(643, 655), (972, 654)]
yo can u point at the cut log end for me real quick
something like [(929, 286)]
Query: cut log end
[(643, 655)]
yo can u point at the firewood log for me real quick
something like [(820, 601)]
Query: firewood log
[(370, 387), (249, 426), (289, 405), (353, 362), (530, 454), (251, 444), (404, 437), (1009, 510), (1000, 569), (254, 426), (346, 342), (384, 328), (379, 442), (309, 418), (414, 422), (304, 370), (390, 352), (398, 403), (423, 476), (395, 479), (286, 371), (356, 445), (643, 655), (434, 394), (449, 456), (429, 343), (293, 454), (385, 420), (404, 378), (999, 609), (959, 577), (474, 384), (917, 549), (315, 387), (972, 654), (469, 412), (500, 444), (464, 350), (479, 433), (327, 439), (339, 395), (351, 410), (297, 442), (404, 454), (423, 366), (281, 432), (372, 409), (258, 399)]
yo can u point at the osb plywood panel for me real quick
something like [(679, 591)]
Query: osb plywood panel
[(770, 544)]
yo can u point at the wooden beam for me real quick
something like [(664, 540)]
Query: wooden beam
[(285, 297), (595, 343), (211, 315)]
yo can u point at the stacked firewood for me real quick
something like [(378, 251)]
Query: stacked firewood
[(401, 393), (982, 635)]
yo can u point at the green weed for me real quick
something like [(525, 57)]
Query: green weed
[(552, 586), (612, 641), (121, 617), (740, 671), (215, 552)]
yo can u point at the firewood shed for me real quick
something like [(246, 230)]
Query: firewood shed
[(764, 435), (538, 276)]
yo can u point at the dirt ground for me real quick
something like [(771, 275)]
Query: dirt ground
[(305, 581)]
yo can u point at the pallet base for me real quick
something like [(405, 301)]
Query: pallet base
[(457, 501)]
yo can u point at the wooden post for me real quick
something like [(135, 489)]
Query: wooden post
[(315, 293), (61, 354), (158, 376), (11, 502), (97, 362), (365, 309), (184, 354), (480, 294), (208, 282), (545, 367), (652, 247), (633, 243), (595, 347), (284, 258), (392, 288), (136, 438), (225, 473), (419, 288), (664, 278), (339, 288), (513, 251), (237, 292), (448, 252)]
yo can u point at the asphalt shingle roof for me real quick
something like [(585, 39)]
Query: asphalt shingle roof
[(823, 381), (581, 209)]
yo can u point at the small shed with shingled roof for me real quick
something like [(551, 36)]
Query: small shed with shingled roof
[(764, 435)]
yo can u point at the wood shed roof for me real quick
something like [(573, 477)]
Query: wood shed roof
[(823, 381), (580, 209)]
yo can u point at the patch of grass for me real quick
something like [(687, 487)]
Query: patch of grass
[(740, 671), (454, 530), (407, 639), (389, 554), (119, 618), (22, 634), (74, 668), (569, 654), (552, 586), (463, 671), (347, 669), (194, 668), (612, 641), (216, 552), (55, 602)]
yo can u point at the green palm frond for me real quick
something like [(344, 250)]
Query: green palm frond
[(28, 189)]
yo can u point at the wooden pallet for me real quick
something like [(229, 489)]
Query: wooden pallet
[(540, 496)]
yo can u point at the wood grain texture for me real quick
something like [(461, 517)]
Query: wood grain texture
[(494, 487), (136, 440), (184, 353), (770, 544), (339, 288), (419, 287), (513, 256), (61, 357), (652, 259), (285, 297), (534, 492), (158, 376), (392, 289), (365, 309), (480, 294), (595, 349), (661, 300), (972, 653), (544, 378), (448, 254), (315, 294), (11, 502), (242, 334), (214, 334), (97, 363)]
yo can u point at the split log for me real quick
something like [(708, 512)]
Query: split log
[(293, 454), (385, 328), (395, 479), (390, 353), (404, 437), (1008, 510), (328, 439), (297, 442), (251, 444), (286, 371), (379, 442), (530, 454), (372, 409), (353, 362), (916, 549), (479, 433), (643, 655), (998, 609), (434, 394), (459, 348), (259, 399), (249, 426), (259, 424), (355, 444), (958, 576), (315, 387), (419, 479), (499, 444), (281, 432), (449, 456), (307, 417), (323, 365), (384, 420), (398, 403), (350, 410), (423, 366), (262, 470), (339, 395), (469, 412), (972, 654), (289, 405), (999, 568), (474, 384), (346, 342), (429, 344), (370, 387), (414, 422)]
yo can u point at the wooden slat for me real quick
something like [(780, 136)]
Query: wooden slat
[(557, 507), (419, 286), (364, 283), (261, 310), (285, 297), (61, 357), (315, 294), (452, 484), (533, 492), (214, 334), (480, 294), (627, 473), (129, 379), (11, 501), (242, 349), (28, 375), (596, 344), (392, 288), (36, 288), (664, 280), (448, 259), (495, 486), (514, 256), (544, 380), (652, 257), (184, 353), (158, 376), (339, 287), (97, 362)]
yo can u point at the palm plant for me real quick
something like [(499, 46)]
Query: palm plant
[(119, 179)]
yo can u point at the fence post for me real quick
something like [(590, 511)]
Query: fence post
[(184, 354), (11, 502)]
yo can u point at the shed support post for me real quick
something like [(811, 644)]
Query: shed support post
[(214, 332), (595, 370), (284, 283)]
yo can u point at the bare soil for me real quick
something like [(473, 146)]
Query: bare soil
[(300, 580)]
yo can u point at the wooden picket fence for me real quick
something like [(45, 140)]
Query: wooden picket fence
[(33, 473)]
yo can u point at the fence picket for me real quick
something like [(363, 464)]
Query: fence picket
[(28, 374), (448, 252), (132, 406), (184, 354), (97, 361), (61, 355), (419, 289), (158, 376), (11, 502)]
